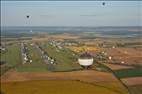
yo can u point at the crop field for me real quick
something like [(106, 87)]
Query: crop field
[(129, 75), (92, 49), (117, 66), (125, 73), (75, 82), (131, 81), (60, 87), (129, 56), (134, 84), (136, 89)]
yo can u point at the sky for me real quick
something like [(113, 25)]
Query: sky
[(71, 13)]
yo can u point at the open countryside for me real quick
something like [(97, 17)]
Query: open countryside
[(55, 62), (69, 47)]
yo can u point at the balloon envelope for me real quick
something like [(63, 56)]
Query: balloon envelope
[(27, 16), (103, 3)]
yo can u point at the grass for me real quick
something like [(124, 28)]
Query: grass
[(11, 57), (64, 59), (60, 87), (101, 66), (37, 64), (137, 89), (132, 72)]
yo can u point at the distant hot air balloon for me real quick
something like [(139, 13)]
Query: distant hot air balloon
[(28, 16), (28, 22), (103, 3)]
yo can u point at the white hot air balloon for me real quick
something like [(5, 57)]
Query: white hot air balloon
[(85, 60)]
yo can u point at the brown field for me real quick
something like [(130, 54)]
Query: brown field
[(64, 36), (61, 87), (60, 37), (136, 89), (117, 67), (86, 75), (128, 55), (40, 39), (77, 82), (132, 81)]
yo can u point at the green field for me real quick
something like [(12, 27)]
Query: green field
[(61, 87), (137, 89), (100, 67), (132, 72), (64, 58), (65, 61), (36, 65), (12, 57)]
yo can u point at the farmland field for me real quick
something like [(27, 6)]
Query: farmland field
[(116, 66), (136, 89), (132, 81), (80, 82), (11, 57), (128, 55), (68, 77), (91, 47), (61, 87), (132, 72)]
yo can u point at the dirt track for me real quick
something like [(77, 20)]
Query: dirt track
[(86, 75)]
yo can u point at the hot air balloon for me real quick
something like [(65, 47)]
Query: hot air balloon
[(27, 16), (85, 60), (103, 3)]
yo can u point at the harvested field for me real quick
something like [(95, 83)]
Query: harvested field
[(133, 81), (61, 87), (40, 39), (128, 55), (64, 36), (86, 75), (136, 89), (117, 67), (77, 82)]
